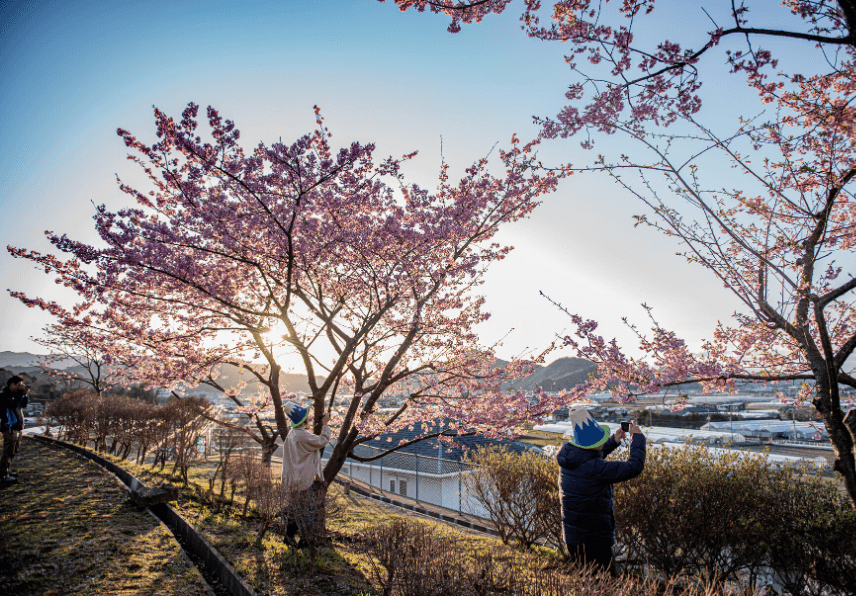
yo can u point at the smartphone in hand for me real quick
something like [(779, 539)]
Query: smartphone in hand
[(625, 425)]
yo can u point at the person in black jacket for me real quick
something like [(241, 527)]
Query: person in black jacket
[(585, 486), (13, 398)]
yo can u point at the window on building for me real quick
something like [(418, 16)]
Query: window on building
[(402, 487), (392, 485)]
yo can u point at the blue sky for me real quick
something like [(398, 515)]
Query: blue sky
[(72, 72)]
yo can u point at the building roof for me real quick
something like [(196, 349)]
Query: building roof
[(454, 451)]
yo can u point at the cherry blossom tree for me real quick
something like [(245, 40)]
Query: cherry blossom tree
[(67, 340), (780, 236), (325, 257)]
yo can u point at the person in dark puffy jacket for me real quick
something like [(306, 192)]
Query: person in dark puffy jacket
[(585, 486)]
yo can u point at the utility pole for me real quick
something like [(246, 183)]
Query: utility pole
[(794, 421)]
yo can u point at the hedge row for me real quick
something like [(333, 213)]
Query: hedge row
[(120, 425), (731, 517), (407, 558)]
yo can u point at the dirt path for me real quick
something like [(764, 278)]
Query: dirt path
[(66, 527)]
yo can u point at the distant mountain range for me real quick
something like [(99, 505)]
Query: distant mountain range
[(562, 374), (27, 360)]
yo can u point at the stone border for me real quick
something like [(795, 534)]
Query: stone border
[(450, 519), (214, 562)]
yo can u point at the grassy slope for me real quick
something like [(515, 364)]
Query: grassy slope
[(67, 528), (275, 569)]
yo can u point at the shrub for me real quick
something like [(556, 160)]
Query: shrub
[(811, 541), (185, 421), (518, 491), (734, 516), (74, 413), (414, 559), (709, 515)]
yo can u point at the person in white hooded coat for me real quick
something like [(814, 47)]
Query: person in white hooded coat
[(302, 475)]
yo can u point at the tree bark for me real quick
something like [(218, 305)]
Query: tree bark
[(335, 463), (268, 447), (841, 437), (850, 423)]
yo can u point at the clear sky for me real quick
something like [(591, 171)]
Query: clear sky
[(72, 72)]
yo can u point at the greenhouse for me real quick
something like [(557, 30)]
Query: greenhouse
[(661, 434), (772, 429)]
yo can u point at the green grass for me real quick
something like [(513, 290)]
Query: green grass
[(67, 528), (274, 568)]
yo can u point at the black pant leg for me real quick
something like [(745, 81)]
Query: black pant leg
[(598, 554)]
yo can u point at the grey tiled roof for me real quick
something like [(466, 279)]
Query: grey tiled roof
[(432, 447)]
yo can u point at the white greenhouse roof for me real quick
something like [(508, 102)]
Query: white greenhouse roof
[(816, 461), (658, 434)]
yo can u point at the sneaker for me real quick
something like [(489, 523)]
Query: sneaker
[(8, 479), (13, 474)]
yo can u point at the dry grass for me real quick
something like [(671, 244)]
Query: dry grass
[(277, 570), (67, 528)]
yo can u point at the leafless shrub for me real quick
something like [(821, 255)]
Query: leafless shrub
[(74, 413), (414, 559), (260, 488), (227, 440), (508, 486), (400, 562), (185, 421), (737, 518)]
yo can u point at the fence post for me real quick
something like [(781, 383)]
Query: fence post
[(380, 483), (460, 496), (417, 476), (371, 473)]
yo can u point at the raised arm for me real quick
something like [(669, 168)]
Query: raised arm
[(618, 471)]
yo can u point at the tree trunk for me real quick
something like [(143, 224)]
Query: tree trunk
[(268, 447), (335, 463), (841, 438)]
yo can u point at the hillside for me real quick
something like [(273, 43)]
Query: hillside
[(229, 376), (28, 360), (561, 374)]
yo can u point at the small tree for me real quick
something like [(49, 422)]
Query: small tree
[(185, 422), (70, 340), (74, 413), (508, 486)]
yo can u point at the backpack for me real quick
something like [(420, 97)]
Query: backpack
[(9, 420)]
